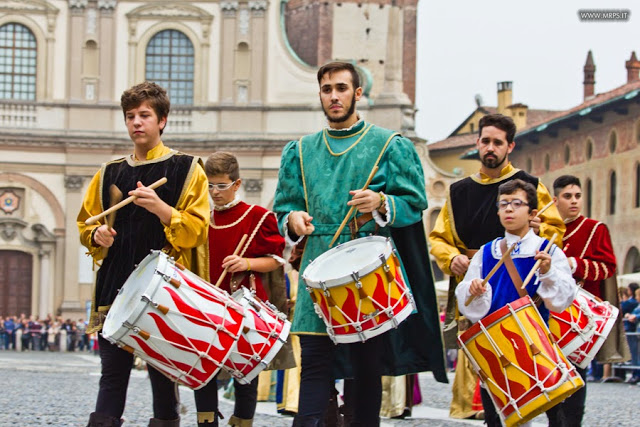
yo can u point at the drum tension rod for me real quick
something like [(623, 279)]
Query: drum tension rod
[(386, 268), (162, 308), (312, 294), (144, 334), (174, 282), (356, 278), (330, 300)]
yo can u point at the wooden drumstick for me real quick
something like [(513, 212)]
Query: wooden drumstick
[(536, 266), (115, 197), (346, 218), (236, 252), (125, 202), (547, 206), (492, 272)]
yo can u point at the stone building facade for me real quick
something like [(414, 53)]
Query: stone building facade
[(235, 83), (598, 140)]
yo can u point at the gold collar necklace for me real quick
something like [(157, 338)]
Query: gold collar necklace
[(326, 142)]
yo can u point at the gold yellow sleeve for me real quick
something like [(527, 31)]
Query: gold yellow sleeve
[(551, 220), (91, 205), (443, 241), (189, 218)]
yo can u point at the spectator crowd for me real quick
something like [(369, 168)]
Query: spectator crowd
[(30, 333)]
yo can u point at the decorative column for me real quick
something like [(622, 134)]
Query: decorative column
[(107, 50), (45, 283), (393, 86), (258, 51), (71, 303), (228, 37), (76, 26), (202, 96), (133, 44), (51, 29)]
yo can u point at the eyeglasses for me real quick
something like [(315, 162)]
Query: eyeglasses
[(515, 204), (221, 187)]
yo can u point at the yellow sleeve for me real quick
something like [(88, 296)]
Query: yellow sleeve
[(91, 205), (190, 217), (551, 220), (444, 244)]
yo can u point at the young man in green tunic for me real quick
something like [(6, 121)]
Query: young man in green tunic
[(320, 179)]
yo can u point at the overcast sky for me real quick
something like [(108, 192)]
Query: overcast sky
[(466, 47)]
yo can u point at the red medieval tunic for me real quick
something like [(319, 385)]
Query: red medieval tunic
[(225, 231), (588, 247)]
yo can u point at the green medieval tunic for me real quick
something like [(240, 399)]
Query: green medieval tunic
[(316, 174)]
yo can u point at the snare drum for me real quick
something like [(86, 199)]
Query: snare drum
[(264, 332), (582, 328), (522, 368), (358, 289), (174, 320)]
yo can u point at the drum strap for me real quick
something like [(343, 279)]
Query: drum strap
[(515, 276), (358, 222)]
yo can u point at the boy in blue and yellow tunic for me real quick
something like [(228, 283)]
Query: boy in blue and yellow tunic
[(553, 283)]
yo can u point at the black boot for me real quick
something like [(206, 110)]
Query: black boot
[(97, 419), (209, 419), (240, 422), (155, 422)]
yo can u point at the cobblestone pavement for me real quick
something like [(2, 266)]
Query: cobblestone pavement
[(59, 389)]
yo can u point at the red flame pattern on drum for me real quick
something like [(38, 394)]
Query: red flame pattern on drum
[(160, 360), (500, 378), (262, 329), (191, 345), (202, 318)]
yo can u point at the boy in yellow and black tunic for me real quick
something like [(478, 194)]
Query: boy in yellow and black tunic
[(174, 217)]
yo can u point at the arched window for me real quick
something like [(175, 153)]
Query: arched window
[(547, 162), (589, 149), (613, 142), (612, 193), (588, 197), (632, 261), (169, 63), (18, 51)]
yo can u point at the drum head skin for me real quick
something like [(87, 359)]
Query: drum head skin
[(126, 305), (335, 266)]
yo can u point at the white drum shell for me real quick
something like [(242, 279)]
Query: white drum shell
[(134, 309)]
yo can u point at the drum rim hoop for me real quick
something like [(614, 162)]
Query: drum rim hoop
[(363, 271), (138, 309)]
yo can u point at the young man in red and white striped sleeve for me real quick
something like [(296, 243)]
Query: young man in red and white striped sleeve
[(587, 245), (587, 242)]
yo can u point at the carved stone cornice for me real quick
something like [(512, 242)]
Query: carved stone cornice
[(229, 8), (40, 7), (73, 182), (31, 7), (42, 235), (258, 8), (78, 4), (107, 5), (252, 185), (170, 11)]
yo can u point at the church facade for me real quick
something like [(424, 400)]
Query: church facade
[(237, 82)]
